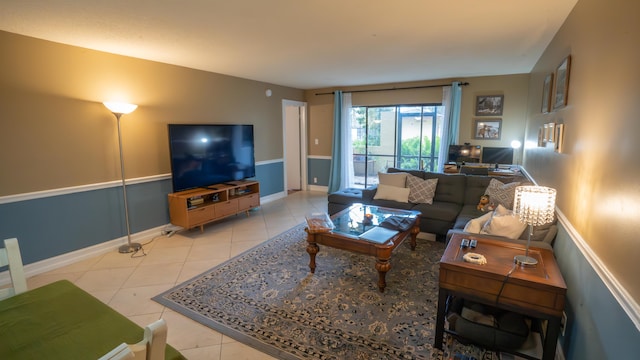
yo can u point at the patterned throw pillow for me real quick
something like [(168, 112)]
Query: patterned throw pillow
[(501, 194), (422, 191)]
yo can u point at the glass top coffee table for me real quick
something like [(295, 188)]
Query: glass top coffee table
[(357, 229)]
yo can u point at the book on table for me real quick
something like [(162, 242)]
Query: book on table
[(378, 234)]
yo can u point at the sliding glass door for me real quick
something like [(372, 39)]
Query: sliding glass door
[(406, 137)]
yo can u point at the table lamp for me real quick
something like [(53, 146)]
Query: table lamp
[(535, 206)]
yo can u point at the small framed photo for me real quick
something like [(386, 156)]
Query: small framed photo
[(541, 138), (549, 132), (561, 85), (559, 134), (487, 129), (489, 105), (546, 94)]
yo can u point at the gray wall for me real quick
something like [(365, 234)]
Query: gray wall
[(596, 175)]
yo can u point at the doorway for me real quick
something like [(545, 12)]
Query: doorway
[(295, 145)]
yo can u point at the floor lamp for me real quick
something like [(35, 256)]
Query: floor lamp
[(119, 109), (535, 206)]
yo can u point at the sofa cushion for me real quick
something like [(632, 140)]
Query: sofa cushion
[(346, 196), (422, 191), (501, 194), (392, 204), (451, 187), (395, 193), (416, 173), (475, 225), (439, 210), (395, 179), (503, 223)]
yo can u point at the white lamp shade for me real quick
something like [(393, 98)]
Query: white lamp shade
[(535, 205), (120, 107)]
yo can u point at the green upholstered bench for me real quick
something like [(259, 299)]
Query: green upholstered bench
[(62, 321)]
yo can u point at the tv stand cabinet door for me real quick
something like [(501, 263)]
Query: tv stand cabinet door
[(199, 216), (248, 202), (227, 208)]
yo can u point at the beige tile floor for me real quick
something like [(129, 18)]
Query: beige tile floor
[(127, 284)]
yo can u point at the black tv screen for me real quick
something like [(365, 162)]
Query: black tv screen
[(497, 155), (464, 153), (207, 154)]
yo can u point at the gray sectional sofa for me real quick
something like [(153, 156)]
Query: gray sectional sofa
[(454, 204)]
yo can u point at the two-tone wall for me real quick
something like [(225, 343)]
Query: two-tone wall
[(60, 187), (514, 88), (596, 175)]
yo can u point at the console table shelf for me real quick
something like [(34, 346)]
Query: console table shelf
[(197, 207)]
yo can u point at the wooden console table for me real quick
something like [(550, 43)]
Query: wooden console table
[(197, 207), (537, 291)]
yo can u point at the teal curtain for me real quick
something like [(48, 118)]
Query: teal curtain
[(341, 172), (451, 98)]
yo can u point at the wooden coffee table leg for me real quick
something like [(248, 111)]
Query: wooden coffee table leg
[(383, 266), (312, 249), (414, 234)]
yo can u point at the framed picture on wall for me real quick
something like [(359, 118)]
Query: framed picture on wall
[(561, 85), (559, 137), (549, 132), (541, 139), (546, 94), (487, 129), (489, 105)]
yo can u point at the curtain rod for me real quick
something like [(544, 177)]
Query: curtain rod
[(389, 89)]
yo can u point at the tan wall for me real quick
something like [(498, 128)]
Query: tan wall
[(597, 174), (56, 132), (513, 87)]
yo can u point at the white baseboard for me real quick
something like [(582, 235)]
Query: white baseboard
[(82, 254), (318, 188), (100, 249)]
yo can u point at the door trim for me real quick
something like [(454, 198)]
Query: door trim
[(303, 141)]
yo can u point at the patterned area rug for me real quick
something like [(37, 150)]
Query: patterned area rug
[(268, 299)]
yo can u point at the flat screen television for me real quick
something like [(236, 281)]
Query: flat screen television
[(464, 153), (206, 154), (497, 155)]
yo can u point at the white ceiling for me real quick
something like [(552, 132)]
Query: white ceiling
[(306, 44)]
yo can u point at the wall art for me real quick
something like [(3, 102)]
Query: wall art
[(489, 105), (561, 83), (546, 94), (487, 129)]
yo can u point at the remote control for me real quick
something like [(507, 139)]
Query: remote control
[(473, 243), (464, 243)]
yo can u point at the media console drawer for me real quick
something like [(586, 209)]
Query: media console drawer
[(201, 215), (225, 208), (248, 202)]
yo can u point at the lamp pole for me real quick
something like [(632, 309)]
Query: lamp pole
[(118, 109)]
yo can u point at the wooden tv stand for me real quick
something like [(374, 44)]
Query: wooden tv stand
[(198, 207)]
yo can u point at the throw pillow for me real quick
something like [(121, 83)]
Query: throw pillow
[(503, 223), (422, 191), (501, 194), (398, 179), (395, 193), (475, 225)]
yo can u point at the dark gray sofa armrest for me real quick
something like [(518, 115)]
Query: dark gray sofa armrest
[(538, 244)]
